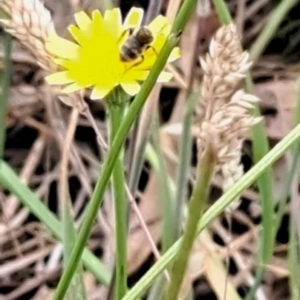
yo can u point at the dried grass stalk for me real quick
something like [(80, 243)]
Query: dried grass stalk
[(226, 109), (31, 23)]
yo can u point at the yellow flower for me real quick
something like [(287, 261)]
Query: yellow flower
[(94, 60)]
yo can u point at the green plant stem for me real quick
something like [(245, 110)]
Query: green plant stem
[(4, 88), (220, 205), (116, 106), (185, 152), (168, 218), (222, 11), (261, 147), (10, 181), (205, 170), (186, 10), (265, 185)]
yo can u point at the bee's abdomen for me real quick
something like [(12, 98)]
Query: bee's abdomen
[(128, 54), (130, 50)]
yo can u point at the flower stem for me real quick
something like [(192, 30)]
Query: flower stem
[(205, 170), (135, 108), (116, 106)]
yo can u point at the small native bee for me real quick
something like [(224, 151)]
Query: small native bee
[(137, 42)]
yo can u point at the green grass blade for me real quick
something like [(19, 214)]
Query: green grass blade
[(4, 88), (261, 147), (216, 209), (265, 185), (185, 153), (76, 290), (10, 181), (168, 217)]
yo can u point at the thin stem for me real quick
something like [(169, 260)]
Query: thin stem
[(97, 197), (222, 11), (216, 209), (116, 106), (168, 209), (185, 152), (100, 139), (205, 170), (66, 150)]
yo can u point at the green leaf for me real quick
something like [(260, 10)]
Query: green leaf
[(10, 181)]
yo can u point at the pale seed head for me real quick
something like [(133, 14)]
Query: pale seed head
[(226, 109), (31, 23)]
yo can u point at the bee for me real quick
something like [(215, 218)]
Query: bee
[(136, 44)]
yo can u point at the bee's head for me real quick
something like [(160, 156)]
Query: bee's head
[(144, 36)]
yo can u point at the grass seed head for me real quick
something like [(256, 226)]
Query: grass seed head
[(31, 23), (226, 109)]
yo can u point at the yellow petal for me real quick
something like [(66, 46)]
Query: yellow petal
[(136, 75), (83, 21), (74, 87), (77, 34), (99, 92), (164, 77), (96, 15), (61, 47), (98, 23), (158, 24), (134, 18), (59, 61), (175, 54), (113, 20), (59, 78), (131, 87)]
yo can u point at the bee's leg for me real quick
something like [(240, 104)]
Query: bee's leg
[(151, 47), (142, 58), (128, 30)]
